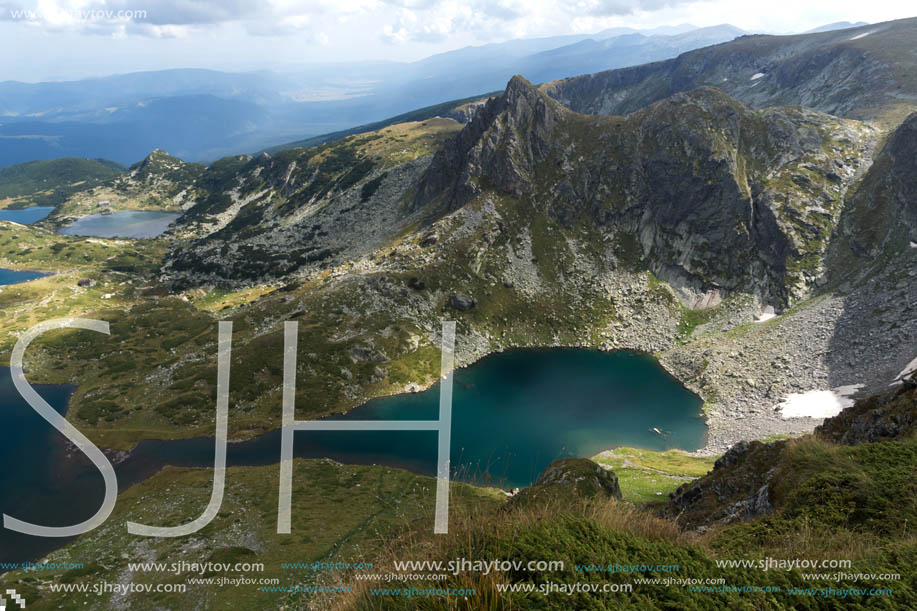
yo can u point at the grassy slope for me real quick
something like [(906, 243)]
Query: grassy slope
[(648, 477), (152, 333), (420, 114), (48, 183), (837, 503), (114, 270), (380, 515), (341, 513)]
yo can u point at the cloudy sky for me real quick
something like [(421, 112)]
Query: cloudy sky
[(56, 39)]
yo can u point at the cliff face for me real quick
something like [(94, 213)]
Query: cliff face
[(718, 197), (881, 214)]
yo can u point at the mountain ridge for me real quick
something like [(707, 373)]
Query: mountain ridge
[(859, 76)]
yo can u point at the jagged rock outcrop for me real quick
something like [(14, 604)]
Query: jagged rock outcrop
[(738, 488), (498, 149), (464, 113), (717, 196), (883, 417)]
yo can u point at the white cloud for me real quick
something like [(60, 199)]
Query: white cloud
[(435, 21), (229, 33)]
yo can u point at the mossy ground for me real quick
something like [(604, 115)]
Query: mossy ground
[(647, 477)]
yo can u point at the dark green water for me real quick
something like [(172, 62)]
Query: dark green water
[(513, 413)]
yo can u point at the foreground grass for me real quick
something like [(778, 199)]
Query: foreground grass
[(814, 522), (340, 513)]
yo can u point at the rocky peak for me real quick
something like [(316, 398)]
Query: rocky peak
[(498, 149), (161, 165), (721, 197)]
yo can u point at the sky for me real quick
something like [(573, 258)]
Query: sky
[(70, 39)]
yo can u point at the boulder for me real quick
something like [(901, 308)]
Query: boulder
[(462, 302), (571, 479)]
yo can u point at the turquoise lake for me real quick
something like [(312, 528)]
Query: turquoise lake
[(122, 224), (513, 413)]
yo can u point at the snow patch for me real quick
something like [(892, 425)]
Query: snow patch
[(908, 370), (757, 75), (818, 403), (863, 35), (913, 244), (766, 314)]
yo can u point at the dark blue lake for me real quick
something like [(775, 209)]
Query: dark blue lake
[(12, 276), (122, 224), (513, 413), (26, 216)]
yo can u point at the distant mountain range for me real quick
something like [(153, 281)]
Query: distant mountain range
[(838, 25), (204, 114), (862, 73)]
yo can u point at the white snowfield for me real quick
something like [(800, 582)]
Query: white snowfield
[(756, 76), (863, 35), (818, 403)]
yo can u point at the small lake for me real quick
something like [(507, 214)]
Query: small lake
[(122, 224), (26, 216), (513, 413), (12, 276)]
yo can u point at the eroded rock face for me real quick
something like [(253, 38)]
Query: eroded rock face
[(738, 488)]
